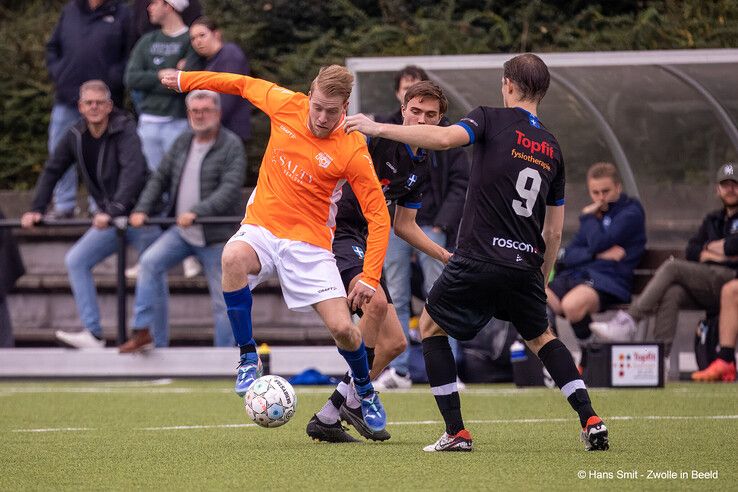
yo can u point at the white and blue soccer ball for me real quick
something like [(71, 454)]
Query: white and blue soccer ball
[(271, 401)]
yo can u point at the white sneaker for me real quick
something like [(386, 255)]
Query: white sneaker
[(191, 267), (621, 328), (390, 380), (80, 339)]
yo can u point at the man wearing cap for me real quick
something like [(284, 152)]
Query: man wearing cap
[(162, 115), (694, 283)]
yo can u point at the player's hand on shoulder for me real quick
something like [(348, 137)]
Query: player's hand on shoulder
[(361, 123), (360, 295)]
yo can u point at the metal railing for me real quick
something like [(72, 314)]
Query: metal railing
[(121, 225)]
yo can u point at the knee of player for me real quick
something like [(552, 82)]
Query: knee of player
[(232, 260), (399, 346)]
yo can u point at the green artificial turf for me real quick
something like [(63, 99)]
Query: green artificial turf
[(120, 435)]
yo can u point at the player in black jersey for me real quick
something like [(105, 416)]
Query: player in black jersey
[(401, 169), (508, 240)]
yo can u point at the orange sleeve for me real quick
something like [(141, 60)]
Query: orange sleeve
[(267, 96), (365, 184)]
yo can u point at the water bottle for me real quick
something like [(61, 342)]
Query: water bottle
[(517, 352), (264, 354)]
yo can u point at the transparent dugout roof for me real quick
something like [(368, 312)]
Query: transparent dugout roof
[(667, 119)]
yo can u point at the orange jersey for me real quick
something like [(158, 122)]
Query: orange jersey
[(301, 175)]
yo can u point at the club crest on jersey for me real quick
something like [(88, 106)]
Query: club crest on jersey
[(411, 181), (734, 226), (359, 252), (324, 160)]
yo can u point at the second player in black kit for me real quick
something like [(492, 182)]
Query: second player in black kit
[(400, 173), (517, 170), (509, 235)]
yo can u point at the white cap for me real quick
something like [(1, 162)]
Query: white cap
[(178, 5)]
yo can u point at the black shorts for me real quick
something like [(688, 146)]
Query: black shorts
[(349, 253), (469, 293), (563, 283)]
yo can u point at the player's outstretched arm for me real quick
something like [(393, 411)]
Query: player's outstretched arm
[(426, 136), (265, 95), (553, 224), (408, 229)]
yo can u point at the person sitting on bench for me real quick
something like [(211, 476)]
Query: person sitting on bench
[(596, 270), (694, 283)]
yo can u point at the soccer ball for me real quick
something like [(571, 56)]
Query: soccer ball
[(271, 401)]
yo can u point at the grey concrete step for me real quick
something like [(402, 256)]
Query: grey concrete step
[(41, 304)]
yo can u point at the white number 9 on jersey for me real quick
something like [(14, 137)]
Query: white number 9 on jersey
[(526, 192)]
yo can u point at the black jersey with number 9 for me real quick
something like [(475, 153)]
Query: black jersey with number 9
[(517, 170)]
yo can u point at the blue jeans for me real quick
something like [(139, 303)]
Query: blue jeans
[(169, 250), (397, 273), (157, 138), (91, 249), (65, 191)]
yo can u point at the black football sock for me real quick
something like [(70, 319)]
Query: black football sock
[(557, 359), (441, 368), (248, 352), (727, 354)]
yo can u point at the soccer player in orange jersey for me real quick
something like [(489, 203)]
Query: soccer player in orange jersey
[(288, 228)]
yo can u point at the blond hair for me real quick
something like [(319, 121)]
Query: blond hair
[(334, 80)]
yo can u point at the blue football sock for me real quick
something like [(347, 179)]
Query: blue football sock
[(238, 306), (359, 364)]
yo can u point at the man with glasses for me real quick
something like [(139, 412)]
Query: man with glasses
[(107, 152), (200, 176)]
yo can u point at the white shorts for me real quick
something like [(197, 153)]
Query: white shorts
[(307, 273)]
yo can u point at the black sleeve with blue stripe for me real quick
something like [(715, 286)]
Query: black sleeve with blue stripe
[(474, 123)]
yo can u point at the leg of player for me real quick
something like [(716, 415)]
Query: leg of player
[(238, 261), (335, 314), (390, 342), (345, 403), (441, 367), (558, 361)]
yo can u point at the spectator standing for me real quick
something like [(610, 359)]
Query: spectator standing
[(91, 40), (106, 149), (207, 40), (142, 24), (161, 112), (11, 269), (596, 270), (443, 204), (201, 176), (712, 261)]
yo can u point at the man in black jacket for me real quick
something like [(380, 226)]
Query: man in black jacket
[(91, 40), (443, 203), (712, 261), (106, 149)]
